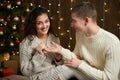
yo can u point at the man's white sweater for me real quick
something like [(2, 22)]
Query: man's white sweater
[(100, 54)]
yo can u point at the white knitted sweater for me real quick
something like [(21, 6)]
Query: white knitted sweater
[(101, 55), (35, 66)]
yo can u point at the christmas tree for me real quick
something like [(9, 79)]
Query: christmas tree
[(12, 18)]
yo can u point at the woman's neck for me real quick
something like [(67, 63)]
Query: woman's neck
[(43, 38)]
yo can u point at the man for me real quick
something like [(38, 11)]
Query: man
[(97, 50)]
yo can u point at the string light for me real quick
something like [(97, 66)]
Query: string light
[(69, 31), (103, 13), (31, 4), (59, 16), (49, 7)]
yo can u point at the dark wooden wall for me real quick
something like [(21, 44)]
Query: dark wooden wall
[(108, 17)]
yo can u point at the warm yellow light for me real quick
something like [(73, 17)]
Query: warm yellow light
[(69, 46), (39, 5), (48, 10), (50, 4), (68, 30), (28, 10), (11, 44), (58, 27), (72, 1), (31, 4), (61, 19), (118, 24), (61, 34), (102, 19), (58, 4), (14, 27), (70, 38), (58, 11), (105, 3), (52, 18), (6, 56)]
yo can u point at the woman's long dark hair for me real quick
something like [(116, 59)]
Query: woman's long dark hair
[(30, 27)]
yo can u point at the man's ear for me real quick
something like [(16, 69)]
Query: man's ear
[(86, 20)]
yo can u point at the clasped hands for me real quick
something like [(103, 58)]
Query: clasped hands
[(56, 49)]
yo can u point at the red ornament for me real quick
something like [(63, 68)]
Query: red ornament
[(8, 5), (22, 28), (1, 31), (23, 19), (19, 2), (1, 18), (8, 19), (17, 41)]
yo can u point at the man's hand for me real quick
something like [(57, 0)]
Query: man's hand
[(54, 49), (74, 62)]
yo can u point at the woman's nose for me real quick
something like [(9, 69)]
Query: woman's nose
[(44, 25)]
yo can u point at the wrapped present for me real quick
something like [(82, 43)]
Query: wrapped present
[(7, 72)]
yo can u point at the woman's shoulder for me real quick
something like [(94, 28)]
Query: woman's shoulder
[(53, 35), (27, 39), (54, 38)]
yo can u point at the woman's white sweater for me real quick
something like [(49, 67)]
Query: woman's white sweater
[(34, 65)]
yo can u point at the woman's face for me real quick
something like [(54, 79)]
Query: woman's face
[(42, 24)]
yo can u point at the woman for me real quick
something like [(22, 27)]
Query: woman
[(36, 64)]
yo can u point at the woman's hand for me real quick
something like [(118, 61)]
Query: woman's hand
[(40, 48), (54, 49)]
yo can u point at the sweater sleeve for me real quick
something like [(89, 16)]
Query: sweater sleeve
[(111, 69), (28, 61), (67, 54)]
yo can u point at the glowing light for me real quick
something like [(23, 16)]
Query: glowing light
[(70, 38), (118, 24), (31, 4), (58, 4), (51, 18), (69, 46), (58, 11), (28, 10), (61, 34), (102, 19), (61, 19), (68, 30), (72, 1), (50, 4), (106, 10), (58, 27), (105, 3), (48, 10), (39, 5)]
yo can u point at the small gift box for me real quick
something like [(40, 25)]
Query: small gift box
[(7, 71)]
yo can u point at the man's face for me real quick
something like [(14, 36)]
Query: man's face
[(77, 23)]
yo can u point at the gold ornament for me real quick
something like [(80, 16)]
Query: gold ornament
[(9, 6), (14, 27), (6, 56), (19, 2), (28, 10), (16, 18), (11, 44)]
